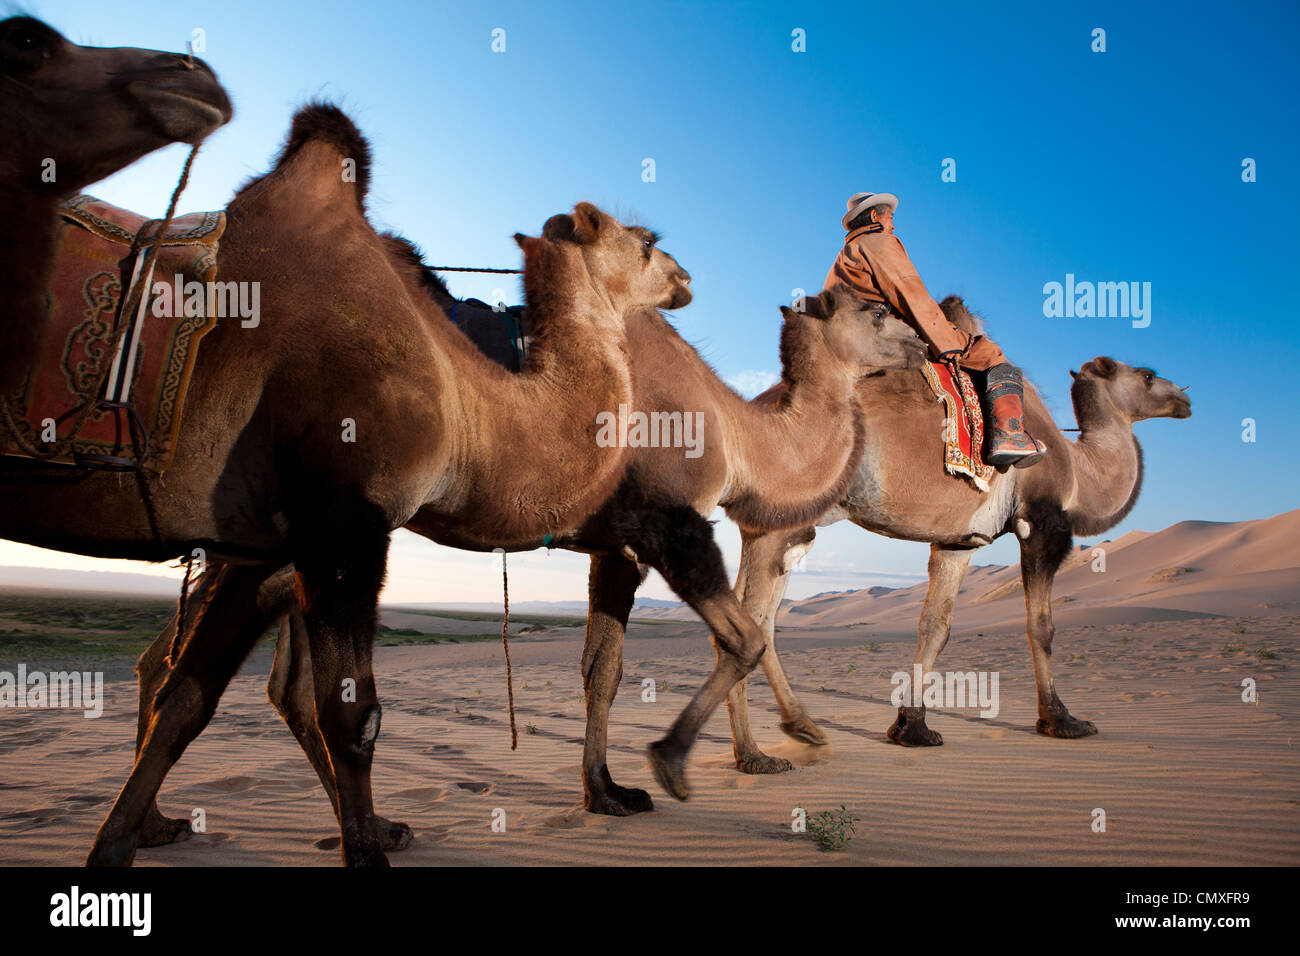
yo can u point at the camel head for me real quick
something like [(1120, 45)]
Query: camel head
[(624, 262), (94, 110), (858, 339), (1135, 393)]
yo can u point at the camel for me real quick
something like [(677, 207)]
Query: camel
[(71, 116), (1083, 487), (265, 473), (657, 518)]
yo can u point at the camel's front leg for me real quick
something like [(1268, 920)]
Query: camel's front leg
[(612, 590), (220, 635), (947, 571), (340, 569), (765, 565), (292, 693), (1042, 550)]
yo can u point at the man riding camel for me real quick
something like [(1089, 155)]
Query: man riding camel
[(873, 268)]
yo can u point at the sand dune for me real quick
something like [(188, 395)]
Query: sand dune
[(1227, 569)]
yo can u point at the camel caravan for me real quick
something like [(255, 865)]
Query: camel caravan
[(232, 445)]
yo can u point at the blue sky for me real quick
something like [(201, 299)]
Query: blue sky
[(1115, 166)]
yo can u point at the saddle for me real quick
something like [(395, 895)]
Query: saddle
[(963, 432), (108, 389)]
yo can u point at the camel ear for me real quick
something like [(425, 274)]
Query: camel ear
[(1073, 374), (828, 303), (527, 243), (786, 312), (559, 227), (586, 222), (1105, 366)]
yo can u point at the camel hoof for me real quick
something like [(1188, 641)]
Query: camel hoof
[(161, 831), (1066, 727), (669, 768), (805, 731), (913, 733), (616, 801), (393, 836), (365, 858), (762, 763)]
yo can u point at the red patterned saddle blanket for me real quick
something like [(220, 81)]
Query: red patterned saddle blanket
[(963, 427), (86, 402)]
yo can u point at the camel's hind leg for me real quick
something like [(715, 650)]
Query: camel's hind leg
[(612, 590), (947, 571), (765, 565), (1041, 552), (152, 670), (677, 542), (219, 638), (340, 566), (292, 693)]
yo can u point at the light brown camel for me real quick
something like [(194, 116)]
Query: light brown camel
[(72, 115), (657, 517), (311, 436), (1083, 487)]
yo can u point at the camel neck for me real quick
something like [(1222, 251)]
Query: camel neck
[(534, 467), (27, 237), (789, 462), (1108, 467)]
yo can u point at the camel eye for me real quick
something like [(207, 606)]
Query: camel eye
[(25, 41), (1149, 379)]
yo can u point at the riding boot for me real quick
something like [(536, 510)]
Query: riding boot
[(1008, 444)]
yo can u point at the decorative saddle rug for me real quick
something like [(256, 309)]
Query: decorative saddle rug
[(963, 437), (84, 398)]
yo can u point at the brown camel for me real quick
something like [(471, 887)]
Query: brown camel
[(348, 408), (657, 518), (1083, 487), (72, 115)]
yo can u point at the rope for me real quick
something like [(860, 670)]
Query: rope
[(513, 272), (173, 651), (54, 449), (505, 642)]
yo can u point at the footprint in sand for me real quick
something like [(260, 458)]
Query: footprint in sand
[(475, 787), (421, 794), (575, 819), (229, 784), (32, 819)]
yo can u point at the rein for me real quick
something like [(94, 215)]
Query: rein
[(505, 642), (513, 272)]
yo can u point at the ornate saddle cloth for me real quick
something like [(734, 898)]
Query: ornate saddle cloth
[(62, 414), (963, 433)]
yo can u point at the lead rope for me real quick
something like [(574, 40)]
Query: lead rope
[(173, 652), (505, 642), (142, 480)]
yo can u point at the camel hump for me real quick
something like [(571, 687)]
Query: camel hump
[(327, 152), (956, 312)]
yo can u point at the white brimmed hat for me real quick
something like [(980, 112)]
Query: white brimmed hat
[(861, 201)]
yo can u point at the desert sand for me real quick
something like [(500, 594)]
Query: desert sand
[(1154, 650)]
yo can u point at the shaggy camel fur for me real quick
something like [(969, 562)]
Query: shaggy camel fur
[(348, 408), (657, 516), (1083, 487)]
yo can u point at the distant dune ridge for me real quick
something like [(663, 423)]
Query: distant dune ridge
[(1191, 569)]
